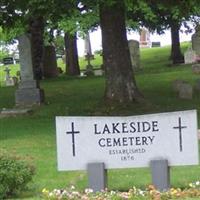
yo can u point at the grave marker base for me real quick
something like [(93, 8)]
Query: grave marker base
[(28, 97)]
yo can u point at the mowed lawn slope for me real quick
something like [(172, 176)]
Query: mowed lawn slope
[(33, 136)]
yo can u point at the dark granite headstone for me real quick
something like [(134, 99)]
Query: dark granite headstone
[(8, 61)]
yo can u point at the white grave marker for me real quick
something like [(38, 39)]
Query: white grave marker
[(127, 142)]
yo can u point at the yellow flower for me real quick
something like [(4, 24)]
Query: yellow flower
[(45, 191), (174, 191), (191, 185)]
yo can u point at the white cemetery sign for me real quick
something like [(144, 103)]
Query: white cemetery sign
[(127, 142)]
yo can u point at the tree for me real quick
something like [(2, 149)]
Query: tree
[(36, 29), (34, 15), (72, 64), (59, 44), (176, 55), (160, 15), (120, 82), (18, 15), (82, 20)]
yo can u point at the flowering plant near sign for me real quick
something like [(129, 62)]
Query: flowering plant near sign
[(193, 190)]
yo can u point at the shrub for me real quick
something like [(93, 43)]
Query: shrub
[(15, 173), (3, 54)]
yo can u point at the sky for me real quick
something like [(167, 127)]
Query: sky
[(95, 38)]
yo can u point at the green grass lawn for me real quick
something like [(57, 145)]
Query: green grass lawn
[(33, 136)]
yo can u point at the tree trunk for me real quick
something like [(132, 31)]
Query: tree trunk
[(36, 28), (120, 82), (50, 69), (72, 64), (176, 54)]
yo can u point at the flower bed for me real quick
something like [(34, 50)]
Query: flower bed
[(193, 191)]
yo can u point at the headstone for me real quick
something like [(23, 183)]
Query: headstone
[(196, 68), (98, 72), (14, 112), (176, 84), (28, 92), (196, 40), (8, 61), (189, 56), (50, 69), (88, 56), (88, 48), (8, 80), (134, 50), (145, 38), (89, 69), (155, 44), (185, 91)]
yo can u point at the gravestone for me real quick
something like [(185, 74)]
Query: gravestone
[(89, 68), (190, 56), (28, 92), (50, 69), (14, 112), (88, 48), (8, 61), (176, 84), (8, 80), (196, 40), (155, 44), (185, 91), (134, 49), (98, 72), (196, 68), (88, 56), (144, 38)]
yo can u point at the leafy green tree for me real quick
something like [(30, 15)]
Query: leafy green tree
[(120, 82), (59, 44), (4, 52), (82, 20), (33, 15), (22, 15), (159, 15), (69, 26)]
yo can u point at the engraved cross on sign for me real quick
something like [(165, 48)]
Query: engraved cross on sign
[(179, 127), (73, 132)]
